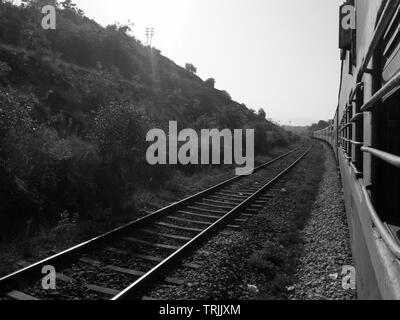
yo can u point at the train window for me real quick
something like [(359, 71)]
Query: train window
[(358, 133), (391, 49), (387, 117), (387, 181)]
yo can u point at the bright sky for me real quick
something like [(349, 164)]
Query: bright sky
[(280, 55)]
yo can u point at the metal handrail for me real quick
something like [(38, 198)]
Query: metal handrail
[(346, 126), (387, 88), (357, 117), (358, 174), (385, 156), (392, 244), (356, 143), (358, 86), (388, 10)]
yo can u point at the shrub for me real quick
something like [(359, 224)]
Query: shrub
[(210, 82), (191, 68), (226, 95), (262, 114), (120, 132), (230, 117), (120, 135), (4, 69)]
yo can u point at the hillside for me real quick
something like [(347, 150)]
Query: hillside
[(296, 129), (322, 124), (75, 106)]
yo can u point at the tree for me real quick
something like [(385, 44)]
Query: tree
[(322, 124), (226, 94), (260, 139), (210, 82), (119, 132), (68, 5), (262, 113), (230, 117), (191, 68)]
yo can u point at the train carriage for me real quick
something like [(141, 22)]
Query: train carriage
[(365, 135)]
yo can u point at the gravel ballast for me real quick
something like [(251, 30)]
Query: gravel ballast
[(326, 242), (294, 248)]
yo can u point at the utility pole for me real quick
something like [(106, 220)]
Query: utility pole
[(149, 36)]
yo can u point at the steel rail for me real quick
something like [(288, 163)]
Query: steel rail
[(34, 270), (158, 270)]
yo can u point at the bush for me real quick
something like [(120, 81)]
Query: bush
[(120, 134), (4, 69), (270, 259), (262, 114), (72, 131), (261, 142), (210, 82), (230, 117), (226, 95), (191, 68)]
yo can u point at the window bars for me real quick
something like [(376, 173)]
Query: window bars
[(352, 124), (349, 127)]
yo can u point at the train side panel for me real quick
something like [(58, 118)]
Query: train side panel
[(366, 141), (377, 271)]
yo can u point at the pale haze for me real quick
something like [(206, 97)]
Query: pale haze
[(278, 55)]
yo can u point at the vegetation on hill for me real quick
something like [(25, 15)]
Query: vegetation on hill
[(322, 124), (75, 106)]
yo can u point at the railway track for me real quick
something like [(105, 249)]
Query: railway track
[(121, 264)]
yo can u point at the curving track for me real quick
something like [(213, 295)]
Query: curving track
[(122, 263)]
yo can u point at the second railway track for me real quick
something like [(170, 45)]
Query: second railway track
[(122, 263)]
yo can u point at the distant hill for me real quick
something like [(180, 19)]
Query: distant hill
[(322, 124), (296, 129), (76, 103), (81, 65)]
